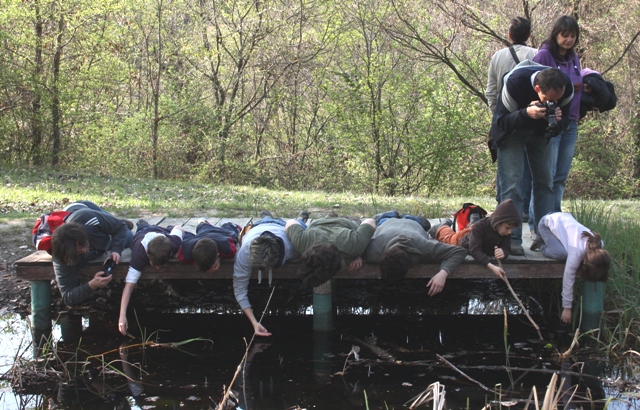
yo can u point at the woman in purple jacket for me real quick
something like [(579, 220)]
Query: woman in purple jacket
[(559, 51)]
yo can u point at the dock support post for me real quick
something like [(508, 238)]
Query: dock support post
[(592, 304), (322, 307), (40, 314)]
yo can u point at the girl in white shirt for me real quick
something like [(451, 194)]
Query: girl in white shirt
[(565, 238)]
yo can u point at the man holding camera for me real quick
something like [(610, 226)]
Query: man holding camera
[(533, 107)]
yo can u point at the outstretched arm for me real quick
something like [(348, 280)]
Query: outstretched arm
[(436, 284), (257, 327), (123, 325)]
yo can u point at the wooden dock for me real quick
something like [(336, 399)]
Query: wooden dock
[(38, 267)]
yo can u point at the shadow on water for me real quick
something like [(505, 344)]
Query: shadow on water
[(402, 337)]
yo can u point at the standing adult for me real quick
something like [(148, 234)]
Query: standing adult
[(520, 125), (501, 63), (558, 50), (504, 60)]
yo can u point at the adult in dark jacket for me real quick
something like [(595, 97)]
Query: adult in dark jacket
[(520, 126), (86, 235), (400, 243)]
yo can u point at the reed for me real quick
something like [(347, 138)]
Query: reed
[(620, 328)]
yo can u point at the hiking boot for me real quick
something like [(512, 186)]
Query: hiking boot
[(473, 219), (386, 215), (142, 223), (265, 214), (434, 229), (424, 222), (129, 224), (303, 216), (537, 244), (516, 249)]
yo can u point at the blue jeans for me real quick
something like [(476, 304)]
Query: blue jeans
[(563, 147), (552, 247), (277, 221), (511, 170), (395, 215)]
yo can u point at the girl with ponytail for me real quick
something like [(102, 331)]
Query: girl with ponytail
[(566, 239)]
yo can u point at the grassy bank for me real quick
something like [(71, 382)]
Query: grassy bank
[(26, 193)]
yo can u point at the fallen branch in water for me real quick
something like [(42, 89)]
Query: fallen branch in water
[(520, 302), (365, 362), (465, 376)]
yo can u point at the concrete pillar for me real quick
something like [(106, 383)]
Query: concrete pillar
[(40, 314), (592, 304), (322, 308)]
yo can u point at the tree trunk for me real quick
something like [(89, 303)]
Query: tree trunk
[(55, 98), (36, 104), (156, 96)]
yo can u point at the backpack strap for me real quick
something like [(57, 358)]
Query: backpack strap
[(514, 55)]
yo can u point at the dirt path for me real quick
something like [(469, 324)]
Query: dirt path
[(15, 243)]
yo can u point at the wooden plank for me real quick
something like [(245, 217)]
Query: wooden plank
[(191, 225), (238, 221), (174, 222), (38, 268)]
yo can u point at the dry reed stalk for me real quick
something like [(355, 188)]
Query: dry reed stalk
[(520, 302), (464, 375), (244, 358), (566, 354)]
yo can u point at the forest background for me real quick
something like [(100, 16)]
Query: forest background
[(372, 96)]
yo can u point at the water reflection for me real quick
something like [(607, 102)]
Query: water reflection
[(98, 368)]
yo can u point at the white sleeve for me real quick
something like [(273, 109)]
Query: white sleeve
[(177, 232), (133, 275)]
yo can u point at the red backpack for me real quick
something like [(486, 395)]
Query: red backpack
[(44, 227), (468, 212)]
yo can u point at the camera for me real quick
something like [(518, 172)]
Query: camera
[(109, 264), (551, 106)]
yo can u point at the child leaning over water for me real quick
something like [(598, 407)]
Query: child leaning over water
[(488, 236), (565, 238)]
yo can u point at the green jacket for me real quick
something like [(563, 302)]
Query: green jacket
[(350, 238)]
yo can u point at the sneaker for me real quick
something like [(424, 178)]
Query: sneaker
[(516, 249), (141, 224), (332, 214), (537, 244), (203, 221), (432, 231), (303, 216), (265, 214), (129, 224)]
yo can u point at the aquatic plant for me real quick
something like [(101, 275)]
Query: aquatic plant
[(620, 325)]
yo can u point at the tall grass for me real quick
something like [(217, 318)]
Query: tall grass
[(620, 328)]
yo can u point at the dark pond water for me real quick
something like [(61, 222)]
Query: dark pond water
[(401, 335)]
